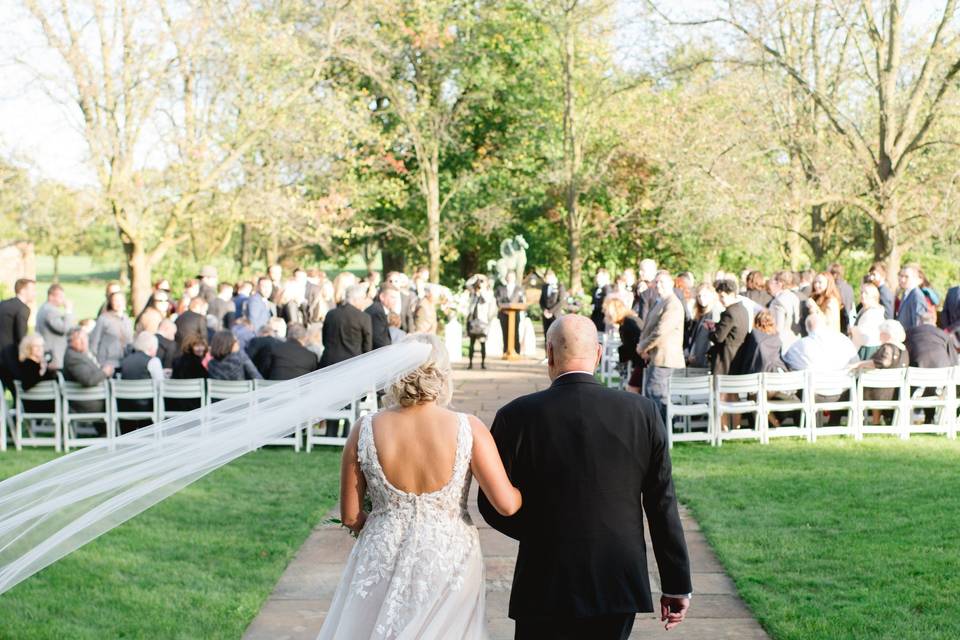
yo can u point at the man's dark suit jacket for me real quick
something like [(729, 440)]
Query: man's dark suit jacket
[(14, 315), (598, 296), (347, 332), (728, 337), (589, 461), (930, 347), (167, 351), (290, 359), (553, 302), (950, 315), (379, 324), (260, 351), (190, 323)]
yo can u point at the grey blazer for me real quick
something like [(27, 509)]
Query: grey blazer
[(110, 337), (53, 325)]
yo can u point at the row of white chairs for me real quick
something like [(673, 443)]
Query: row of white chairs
[(698, 403), (49, 415)]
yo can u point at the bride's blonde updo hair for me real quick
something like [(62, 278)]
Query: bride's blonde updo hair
[(430, 382)]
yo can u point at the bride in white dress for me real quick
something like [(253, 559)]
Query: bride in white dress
[(416, 570)]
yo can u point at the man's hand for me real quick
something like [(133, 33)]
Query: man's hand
[(673, 610)]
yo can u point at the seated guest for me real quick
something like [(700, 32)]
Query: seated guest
[(81, 366), (229, 362), (193, 321), (822, 349), (244, 289), (190, 363), (221, 306), (928, 346), (258, 307), (866, 332), (148, 320), (259, 348), (290, 359), (167, 349), (396, 333), (242, 331), (761, 350), (892, 354), (32, 370), (141, 364), (622, 316)]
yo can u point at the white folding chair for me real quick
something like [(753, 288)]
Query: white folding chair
[(190, 389), (348, 415), (223, 389), (792, 394), (695, 371), (740, 386), (943, 402), (827, 384), (77, 421), (133, 390), (882, 380), (47, 392), (690, 396), (292, 440), (5, 418), (610, 360)]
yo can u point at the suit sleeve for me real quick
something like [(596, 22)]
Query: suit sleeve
[(58, 323), (23, 316), (663, 518), (89, 375), (723, 328), (367, 331), (507, 444)]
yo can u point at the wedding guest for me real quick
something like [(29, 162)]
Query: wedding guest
[(290, 358), (600, 293), (822, 349), (260, 347), (191, 290), (622, 316), (259, 308), (140, 364), (112, 288), (552, 297), (892, 354), (167, 349), (190, 363), (148, 320), (341, 283), (54, 319), (81, 366), (314, 340), (761, 348), (113, 332), (221, 306), (480, 312), (425, 317), (866, 332), (243, 332), (661, 341), (510, 292), (784, 307), (757, 289), (388, 301), (347, 330), (14, 314), (315, 303), (706, 314), (621, 291), (878, 277), (228, 361), (396, 333), (729, 333), (193, 321), (847, 298), (646, 291), (928, 346), (33, 367), (244, 289), (826, 298), (805, 284), (950, 316), (913, 305), (418, 284)]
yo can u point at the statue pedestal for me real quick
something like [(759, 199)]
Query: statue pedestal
[(511, 309)]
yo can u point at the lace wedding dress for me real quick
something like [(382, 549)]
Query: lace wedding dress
[(416, 570)]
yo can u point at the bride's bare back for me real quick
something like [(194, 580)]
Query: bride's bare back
[(416, 447)]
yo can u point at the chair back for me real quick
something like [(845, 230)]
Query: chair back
[(133, 389), (749, 383), (784, 381), (882, 378), (46, 390), (689, 386), (192, 388), (918, 377), (222, 389)]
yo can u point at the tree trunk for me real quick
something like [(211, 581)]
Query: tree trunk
[(886, 244), (573, 241), (571, 159), (432, 182), (244, 258), (795, 243), (139, 272), (392, 260), (817, 245), (56, 266)]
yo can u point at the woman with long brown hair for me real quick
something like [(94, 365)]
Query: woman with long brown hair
[(826, 297)]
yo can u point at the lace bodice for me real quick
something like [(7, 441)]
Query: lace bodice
[(417, 542)]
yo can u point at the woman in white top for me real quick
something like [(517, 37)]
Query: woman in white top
[(866, 333)]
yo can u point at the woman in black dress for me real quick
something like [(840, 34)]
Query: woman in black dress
[(32, 370), (622, 317)]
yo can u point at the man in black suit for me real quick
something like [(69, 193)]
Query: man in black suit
[(928, 346), (347, 330), (600, 290), (586, 482), (193, 321), (552, 298), (510, 293), (260, 347), (289, 358), (389, 301), (950, 316), (14, 314)]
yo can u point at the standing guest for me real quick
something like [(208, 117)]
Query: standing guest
[(552, 296), (260, 348), (221, 306), (866, 332), (950, 316), (847, 298), (421, 277), (480, 312), (757, 289), (244, 289), (621, 290), (396, 333), (600, 292), (646, 291), (208, 283), (510, 293), (192, 321), (54, 319), (826, 298), (706, 314), (761, 348), (275, 274), (805, 284), (341, 283), (190, 363), (784, 307), (113, 332), (228, 361), (258, 308), (623, 317), (347, 330), (389, 301), (315, 305), (290, 358), (167, 349), (157, 303), (373, 279), (290, 303), (112, 287), (913, 304), (243, 332), (148, 320), (314, 340), (877, 275), (14, 314), (730, 331), (191, 290), (928, 346), (408, 299), (661, 341), (425, 317)]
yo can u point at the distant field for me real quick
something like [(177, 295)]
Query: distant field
[(82, 278)]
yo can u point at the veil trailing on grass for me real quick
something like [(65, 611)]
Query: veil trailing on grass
[(50, 510)]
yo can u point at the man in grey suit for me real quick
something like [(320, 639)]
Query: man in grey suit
[(661, 341), (54, 319), (80, 365)]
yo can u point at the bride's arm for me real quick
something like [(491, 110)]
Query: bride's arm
[(353, 487), (488, 469)]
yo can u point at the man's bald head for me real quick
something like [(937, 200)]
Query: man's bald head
[(572, 345)]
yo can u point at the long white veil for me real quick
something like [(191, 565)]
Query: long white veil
[(50, 510)]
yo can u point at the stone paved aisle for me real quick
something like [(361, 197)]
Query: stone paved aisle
[(297, 606)]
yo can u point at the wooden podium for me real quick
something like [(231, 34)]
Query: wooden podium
[(511, 309)]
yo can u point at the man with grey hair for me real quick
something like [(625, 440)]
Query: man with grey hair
[(142, 363), (589, 461), (347, 330), (661, 341)]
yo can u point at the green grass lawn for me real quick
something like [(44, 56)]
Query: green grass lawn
[(198, 565), (83, 279), (840, 539)]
